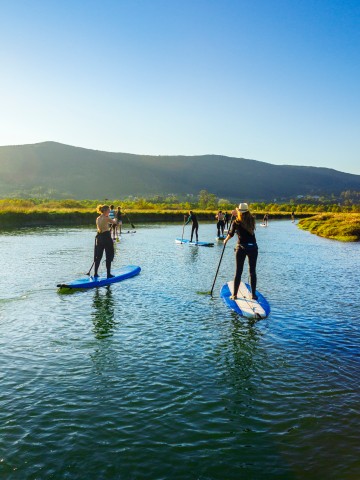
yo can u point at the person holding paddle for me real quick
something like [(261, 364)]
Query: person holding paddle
[(195, 225), (244, 227), (104, 240), (220, 217), (266, 219), (118, 216)]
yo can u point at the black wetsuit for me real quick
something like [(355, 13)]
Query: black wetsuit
[(104, 242), (220, 227), (118, 216), (195, 226), (227, 219), (246, 247)]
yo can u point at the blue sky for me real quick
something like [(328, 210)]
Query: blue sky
[(271, 80)]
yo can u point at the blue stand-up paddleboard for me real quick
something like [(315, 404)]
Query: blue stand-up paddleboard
[(120, 274), (219, 239), (244, 305), (198, 244)]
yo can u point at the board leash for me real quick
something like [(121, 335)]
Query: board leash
[(257, 315)]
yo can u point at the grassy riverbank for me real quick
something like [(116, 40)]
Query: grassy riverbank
[(336, 226), (34, 218), (39, 212)]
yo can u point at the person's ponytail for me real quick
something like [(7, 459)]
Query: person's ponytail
[(101, 208)]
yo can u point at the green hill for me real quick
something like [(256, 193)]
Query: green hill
[(66, 171)]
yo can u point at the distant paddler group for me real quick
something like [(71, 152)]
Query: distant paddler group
[(244, 227), (117, 216)]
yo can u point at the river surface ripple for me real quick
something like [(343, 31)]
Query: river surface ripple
[(148, 379)]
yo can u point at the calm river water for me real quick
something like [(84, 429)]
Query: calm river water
[(148, 379)]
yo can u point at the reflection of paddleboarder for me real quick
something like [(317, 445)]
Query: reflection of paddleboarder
[(195, 225), (103, 313), (244, 227)]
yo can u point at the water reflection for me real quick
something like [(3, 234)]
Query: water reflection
[(103, 313), (243, 344), (240, 355), (194, 253)]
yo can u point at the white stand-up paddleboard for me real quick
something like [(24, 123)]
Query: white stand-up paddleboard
[(244, 305)]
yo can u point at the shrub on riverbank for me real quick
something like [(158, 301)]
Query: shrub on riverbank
[(338, 226)]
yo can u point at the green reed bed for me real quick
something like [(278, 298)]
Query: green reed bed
[(36, 212), (344, 227)]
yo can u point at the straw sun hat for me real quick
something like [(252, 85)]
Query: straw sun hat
[(243, 207)]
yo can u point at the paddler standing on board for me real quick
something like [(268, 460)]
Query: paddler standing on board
[(195, 225), (244, 227), (118, 216), (220, 217), (103, 239), (227, 219), (112, 217)]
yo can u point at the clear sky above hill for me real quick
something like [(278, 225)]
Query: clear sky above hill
[(271, 80)]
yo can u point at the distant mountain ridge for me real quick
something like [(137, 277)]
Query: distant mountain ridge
[(77, 172)]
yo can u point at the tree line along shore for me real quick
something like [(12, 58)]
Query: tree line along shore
[(330, 221)]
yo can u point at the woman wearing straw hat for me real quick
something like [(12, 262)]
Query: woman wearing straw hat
[(244, 227)]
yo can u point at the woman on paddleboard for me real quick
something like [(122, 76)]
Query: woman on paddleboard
[(244, 227), (104, 240)]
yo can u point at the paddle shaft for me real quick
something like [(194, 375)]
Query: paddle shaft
[(94, 258), (218, 268), (182, 236), (132, 225), (217, 271)]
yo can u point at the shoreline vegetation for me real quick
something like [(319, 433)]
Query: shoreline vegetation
[(329, 221), (344, 227)]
